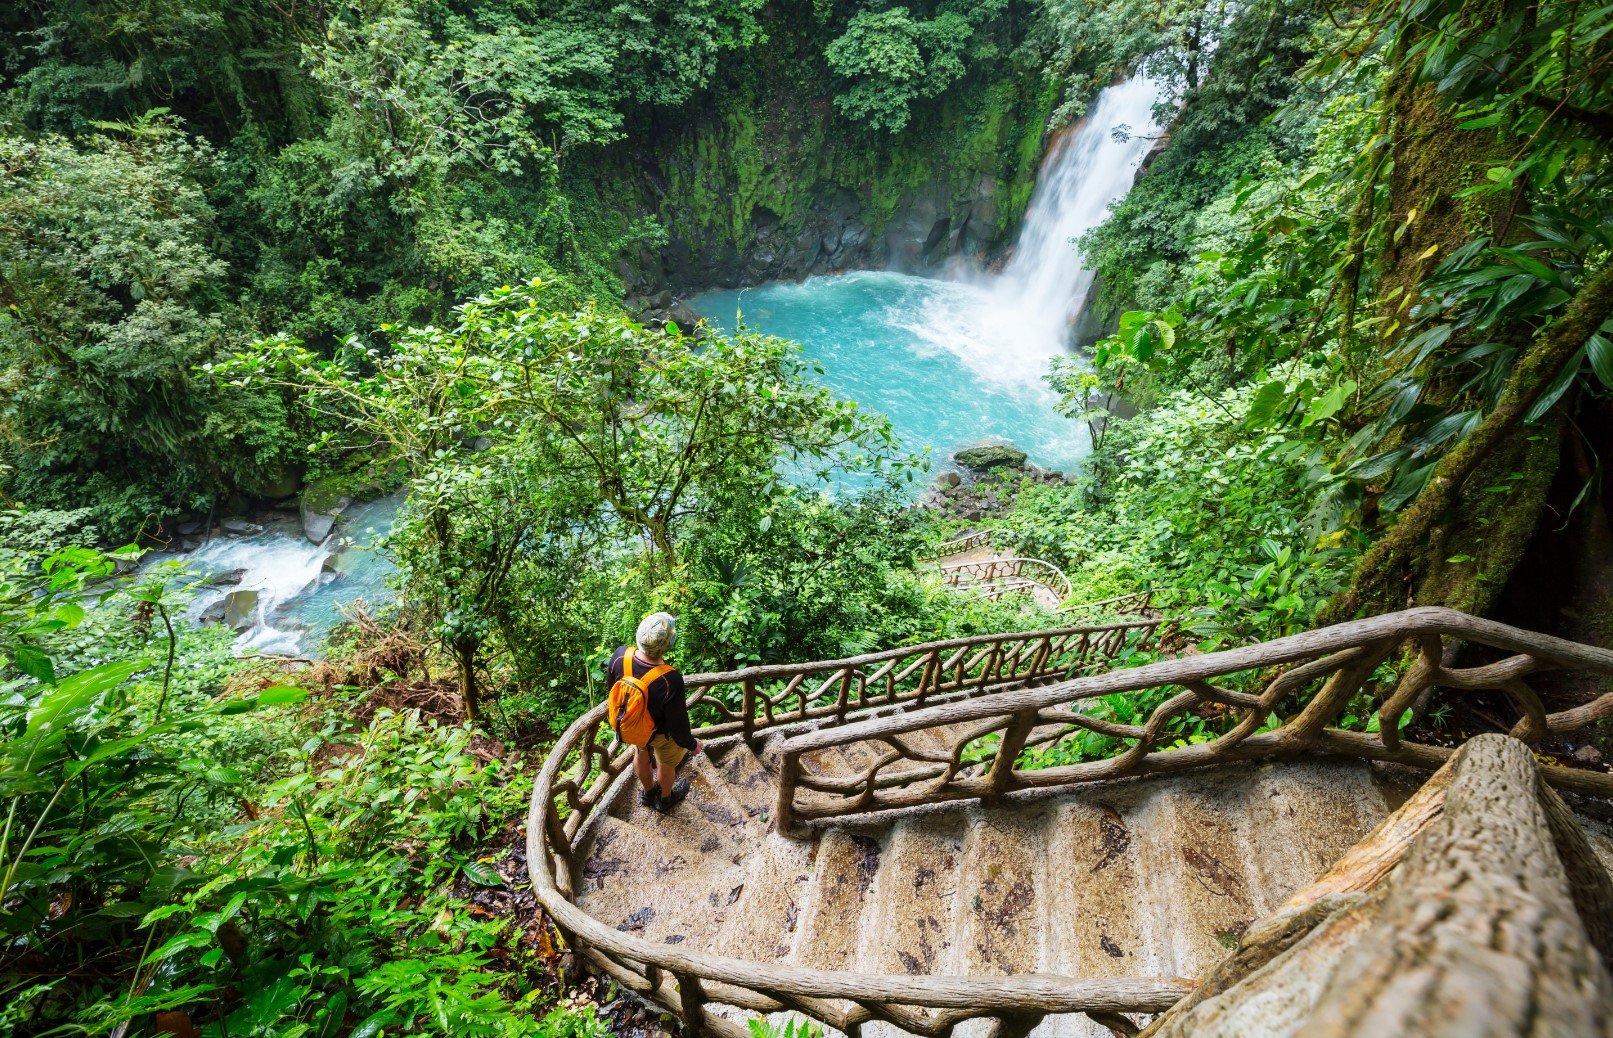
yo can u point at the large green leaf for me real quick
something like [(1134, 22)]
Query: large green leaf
[(1600, 353), (61, 707), (1267, 404)]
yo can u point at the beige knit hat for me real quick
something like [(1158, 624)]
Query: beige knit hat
[(657, 633)]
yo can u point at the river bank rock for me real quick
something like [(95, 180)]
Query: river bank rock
[(979, 495), (319, 514), (984, 456), (237, 526), (240, 609)]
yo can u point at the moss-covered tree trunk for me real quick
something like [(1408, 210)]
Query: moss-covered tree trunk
[(1459, 542)]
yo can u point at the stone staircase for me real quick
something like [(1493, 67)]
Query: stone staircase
[(1153, 877), (868, 845)]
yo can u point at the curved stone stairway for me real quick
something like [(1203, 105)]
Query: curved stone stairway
[(944, 884), (970, 565), (1155, 877)]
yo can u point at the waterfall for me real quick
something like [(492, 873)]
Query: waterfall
[(1006, 327), (281, 592), (1046, 281)]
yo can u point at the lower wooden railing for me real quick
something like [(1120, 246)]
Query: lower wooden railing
[(993, 578), (578, 776), (1319, 673)]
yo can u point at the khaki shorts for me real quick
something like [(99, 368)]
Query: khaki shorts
[(668, 754)]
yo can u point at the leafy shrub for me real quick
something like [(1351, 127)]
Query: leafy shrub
[(1217, 518), (170, 847)]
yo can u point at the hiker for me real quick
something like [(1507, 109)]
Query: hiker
[(647, 710)]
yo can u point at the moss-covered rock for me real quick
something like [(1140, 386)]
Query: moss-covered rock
[(990, 456)]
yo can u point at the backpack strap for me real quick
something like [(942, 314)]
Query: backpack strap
[(627, 661), (656, 674)]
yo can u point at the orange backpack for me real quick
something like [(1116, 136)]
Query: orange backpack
[(628, 707)]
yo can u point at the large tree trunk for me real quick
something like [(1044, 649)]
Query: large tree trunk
[(1404, 554), (1478, 932), (1460, 515)]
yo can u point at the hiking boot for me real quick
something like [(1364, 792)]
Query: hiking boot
[(650, 798), (680, 789)]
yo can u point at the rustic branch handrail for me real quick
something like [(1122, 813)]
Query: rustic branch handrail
[(1343, 656), (956, 545), (1136, 602), (994, 577), (580, 772)]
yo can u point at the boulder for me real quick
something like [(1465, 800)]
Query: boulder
[(225, 578), (984, 456), (241, 609), (685, 318), (214, 613), (949, 480), (319, 515), (284, 482), (236, 526), (316, 526)]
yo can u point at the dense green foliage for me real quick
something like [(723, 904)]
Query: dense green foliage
[(1187, 500), (184, 178), (249, 249), (176, 843), (892, 59), (110, 274)]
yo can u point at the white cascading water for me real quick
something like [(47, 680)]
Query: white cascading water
[(1046, 281), (300, 587), (1016, 321)]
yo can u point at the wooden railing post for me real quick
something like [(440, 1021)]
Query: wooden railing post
[(788, 773), (692, 1002), (747, 711), (1013, 741)]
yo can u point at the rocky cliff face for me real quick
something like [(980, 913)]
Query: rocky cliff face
[(762, 189), (839, 231)]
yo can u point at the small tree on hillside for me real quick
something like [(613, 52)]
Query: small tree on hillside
[(583, 421)]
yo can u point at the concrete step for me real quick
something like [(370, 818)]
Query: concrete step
[(768, 913), (913, 923), (1001, 895), (748, 782), (709, 820), (1303, 816), (1095, 888), (846, 864), (1196, 855), (654, 888)]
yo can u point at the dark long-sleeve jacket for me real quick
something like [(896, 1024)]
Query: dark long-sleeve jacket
[(668, 706)]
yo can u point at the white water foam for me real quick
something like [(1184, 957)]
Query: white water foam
[(1007, 326)]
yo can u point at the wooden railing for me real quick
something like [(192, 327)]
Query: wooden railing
[(1137, 603), (994, 578), (580, 773), (959, 544), (1320, 672), (752, 699)]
